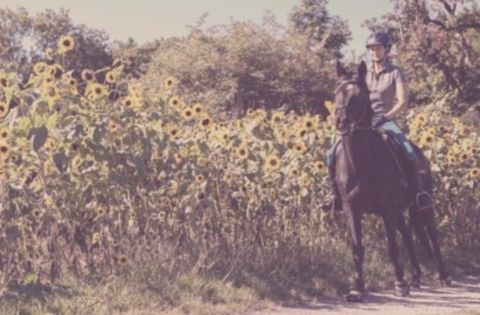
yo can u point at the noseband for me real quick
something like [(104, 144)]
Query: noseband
[(354, 125)]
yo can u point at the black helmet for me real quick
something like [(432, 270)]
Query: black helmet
[(379, 38)]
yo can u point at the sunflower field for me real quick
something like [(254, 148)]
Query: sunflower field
[(97, 178)]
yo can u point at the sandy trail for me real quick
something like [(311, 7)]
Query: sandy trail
[(462, 297)]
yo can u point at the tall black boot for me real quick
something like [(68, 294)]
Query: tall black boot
[(423, 198), (332, 200)]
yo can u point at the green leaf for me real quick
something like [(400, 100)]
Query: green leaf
[(52, 121), (30, 278), (39, 137), (24, 124)]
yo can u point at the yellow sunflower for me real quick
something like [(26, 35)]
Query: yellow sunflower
[(88, 75), (4, 134), (65, 43), (474, 173), (300, 147), (277, 118), (95, 91), (319, 166), (242, 152), (174, 101), (170, 82), (427, 139), (5, 151), (4, 108), (272, 162), (205, 122), (111, 77), (198, 109), (40, 67), (187, 113)]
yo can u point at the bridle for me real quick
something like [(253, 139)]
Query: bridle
[(354, 125)]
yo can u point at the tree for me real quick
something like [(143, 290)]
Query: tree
[(324, 31), (437, 43), (42, 32)]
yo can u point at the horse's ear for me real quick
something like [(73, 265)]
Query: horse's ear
[(362, 69), (340, 70)]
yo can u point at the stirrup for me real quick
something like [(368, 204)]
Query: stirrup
[(429, 202)]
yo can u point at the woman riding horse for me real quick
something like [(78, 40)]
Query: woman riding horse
[(385, 82)]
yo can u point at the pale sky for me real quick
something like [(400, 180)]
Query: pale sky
[(145, 20)]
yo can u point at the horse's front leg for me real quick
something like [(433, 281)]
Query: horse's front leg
[(357, 290), (390, 219)]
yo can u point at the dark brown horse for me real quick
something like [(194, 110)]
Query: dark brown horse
[(371, 178)]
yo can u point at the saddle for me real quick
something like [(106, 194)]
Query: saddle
[(399, 156)]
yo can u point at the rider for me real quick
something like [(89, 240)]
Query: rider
[(385, 82)]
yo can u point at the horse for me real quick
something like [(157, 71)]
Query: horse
[(371, 178)]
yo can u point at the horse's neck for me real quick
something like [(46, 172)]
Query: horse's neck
[(359, 148)]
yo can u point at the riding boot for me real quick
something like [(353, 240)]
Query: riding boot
[(423, 198), (332, 200)]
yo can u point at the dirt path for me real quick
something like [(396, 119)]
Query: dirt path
[(463, 297)]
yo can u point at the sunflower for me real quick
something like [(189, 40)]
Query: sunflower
[(421, 118), (112, 126), (65, 43), (452, 159), (55, 71), (111, 77), (464, 156), (51, 93), (205, 122), (49, 53), (170, 82), (427, 139), (309, 124), (4, 134), (130, 102), (3, 110), (242, 152), (277, 118), (272, 162), (174, 101), (474, 173), (250, 111), (88, 75), (300, 147), (40, 67), (95, 91), (319, 166), (123, 260), (198, 109), (199, 178), (5, 151), (187, 113), (174, 132)]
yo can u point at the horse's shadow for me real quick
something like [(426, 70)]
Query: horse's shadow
[(452, 297)]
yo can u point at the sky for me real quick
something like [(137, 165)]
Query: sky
[(146, 20)]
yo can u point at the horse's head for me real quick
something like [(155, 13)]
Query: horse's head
[(352, 102)]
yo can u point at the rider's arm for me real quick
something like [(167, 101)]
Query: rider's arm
[(401, 91)]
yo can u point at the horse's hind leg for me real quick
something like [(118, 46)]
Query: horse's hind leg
[(401, 287), (433, 234), (417, 221), (408, 241)]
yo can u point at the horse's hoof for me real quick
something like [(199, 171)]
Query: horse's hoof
[(415, 283), (354, 296), (402, 289), (446, 282)]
